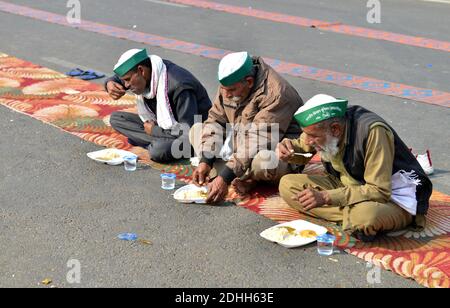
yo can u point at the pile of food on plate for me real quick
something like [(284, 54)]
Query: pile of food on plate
[(108, 155), (284, 233), (193, 195), (308, 234)]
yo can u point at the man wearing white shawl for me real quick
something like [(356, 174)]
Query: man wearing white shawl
[(166, 96)]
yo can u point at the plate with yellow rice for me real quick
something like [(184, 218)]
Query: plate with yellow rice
[(191, 194), (294, 233), (111, 157)]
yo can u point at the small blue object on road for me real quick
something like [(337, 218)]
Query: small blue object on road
[(127, 237)]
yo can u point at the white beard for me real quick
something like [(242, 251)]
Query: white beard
[(330, 149), (236, 99)]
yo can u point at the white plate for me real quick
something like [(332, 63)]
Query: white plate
[(114, 162), (295, 241), (178, 195)]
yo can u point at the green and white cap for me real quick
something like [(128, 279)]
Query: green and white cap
[(234, 67), (129, 60), (320, 108)]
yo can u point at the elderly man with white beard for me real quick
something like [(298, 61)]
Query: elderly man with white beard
[(373, 183)]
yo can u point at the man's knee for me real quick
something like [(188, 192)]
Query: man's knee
[(267, 167), (116, 119), (285, 187), (265, 160), (365, 218), (293, 182), (373, 217), (161, 152), (289, 186)]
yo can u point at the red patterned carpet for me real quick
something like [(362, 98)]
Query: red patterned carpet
[(83, 109)]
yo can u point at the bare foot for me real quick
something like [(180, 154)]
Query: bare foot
[(145, 156), (142, 154), (243, 187)]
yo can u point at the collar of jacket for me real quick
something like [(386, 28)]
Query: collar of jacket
[(261, 76)]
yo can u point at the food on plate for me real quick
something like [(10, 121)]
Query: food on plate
[(284, 233), (289, 229), (108, 155), (308, 234), (280, 234), (193, 195)]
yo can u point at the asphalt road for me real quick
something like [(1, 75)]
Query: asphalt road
[(57, 205)]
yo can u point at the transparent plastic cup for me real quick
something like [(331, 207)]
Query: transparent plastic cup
[(130, 163), (325, 244), (168, 181)]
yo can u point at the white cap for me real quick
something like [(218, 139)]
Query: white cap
[(234, 67)]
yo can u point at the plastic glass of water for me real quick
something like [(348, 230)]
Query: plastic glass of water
[(325, 244), (168, 181), (130, 163)]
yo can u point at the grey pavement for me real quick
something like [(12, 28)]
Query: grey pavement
[(57, 205)]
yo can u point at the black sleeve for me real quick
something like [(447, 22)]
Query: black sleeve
[(114, 78), (186, 107)]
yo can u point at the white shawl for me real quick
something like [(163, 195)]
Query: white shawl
[(404, 187), (159, 89)]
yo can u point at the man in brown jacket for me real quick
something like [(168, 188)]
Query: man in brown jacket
[(251, 113)]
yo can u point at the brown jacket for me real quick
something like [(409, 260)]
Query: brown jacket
[(272, 101)]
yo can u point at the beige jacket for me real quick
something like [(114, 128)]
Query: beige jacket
[(273, 100)]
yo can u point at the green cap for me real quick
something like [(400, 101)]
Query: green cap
[(129, 60), (320, 108), (234, 67)]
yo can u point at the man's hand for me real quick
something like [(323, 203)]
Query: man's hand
[(200, 176), (148, 127), (285, 150), (115, 90), (311, 198), (217, 190)]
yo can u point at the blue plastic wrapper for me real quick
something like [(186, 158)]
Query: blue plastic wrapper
[(127, 237)]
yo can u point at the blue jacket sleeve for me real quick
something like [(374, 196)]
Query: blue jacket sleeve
[(186, 107)]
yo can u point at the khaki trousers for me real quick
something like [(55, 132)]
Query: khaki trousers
[(368, 217)]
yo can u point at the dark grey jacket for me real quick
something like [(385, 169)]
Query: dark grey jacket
[(187, 98)]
